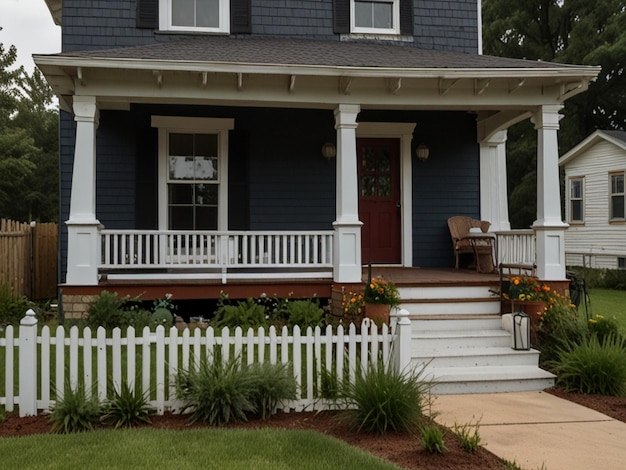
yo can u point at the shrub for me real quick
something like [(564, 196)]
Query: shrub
[(330, 385), (246, 314), (3, 414), (274, 383), (77, 411), (603, 327), (12, 307), (432, 439), (383, 399), (305, 313), (468, 435), (218, 392), (593, 366), (110, 311), (161, 317), (127, 408)]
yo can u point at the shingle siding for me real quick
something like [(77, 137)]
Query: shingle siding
[(447, 184), (443, 25)]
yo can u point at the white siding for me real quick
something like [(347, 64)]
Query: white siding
[(596, 236)]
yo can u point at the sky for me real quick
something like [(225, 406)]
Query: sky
[(28, 25)]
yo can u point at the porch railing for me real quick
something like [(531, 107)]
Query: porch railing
[(218, 251), (516, 247)]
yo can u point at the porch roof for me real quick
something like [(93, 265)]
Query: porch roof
[(259, 57), (282, 51)]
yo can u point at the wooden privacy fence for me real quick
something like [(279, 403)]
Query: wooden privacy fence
[(28, 258), (36, 365)]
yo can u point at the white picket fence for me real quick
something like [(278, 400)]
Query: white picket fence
[(152, 360)]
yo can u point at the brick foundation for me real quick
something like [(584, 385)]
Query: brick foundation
[(76, 306)]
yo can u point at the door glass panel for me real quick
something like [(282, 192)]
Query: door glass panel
[(384, 186), (368, 186)]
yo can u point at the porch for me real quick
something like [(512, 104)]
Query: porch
[(456, 329), (197, 264)]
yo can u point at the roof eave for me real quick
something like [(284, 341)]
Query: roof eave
[(573, 72)]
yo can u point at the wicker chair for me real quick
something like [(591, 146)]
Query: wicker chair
[(460, 226)]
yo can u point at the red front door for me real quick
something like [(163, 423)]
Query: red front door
[(379, 199)]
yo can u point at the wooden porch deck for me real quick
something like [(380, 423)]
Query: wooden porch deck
[(280, 287)]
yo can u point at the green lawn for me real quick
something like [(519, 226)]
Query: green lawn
[(199, 448), (608, 303)]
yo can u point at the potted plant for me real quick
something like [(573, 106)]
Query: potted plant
[(380, 296), (527, 294)]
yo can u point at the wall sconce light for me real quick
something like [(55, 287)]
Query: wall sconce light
[(422, 152), (329, 150)]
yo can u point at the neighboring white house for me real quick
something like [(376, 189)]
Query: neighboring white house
[(595, 201)]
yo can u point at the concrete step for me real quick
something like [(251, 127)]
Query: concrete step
[(451, 307), (457, 339), (489, 379), (481, 291), (455, 322), (475, 357)]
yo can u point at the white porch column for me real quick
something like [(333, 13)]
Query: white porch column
[(493, 186), (549, 228), (347, 240), (82, 226)]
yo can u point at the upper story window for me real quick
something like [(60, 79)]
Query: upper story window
[(211, 16), (576, 200), (616, 195), (375, 16)]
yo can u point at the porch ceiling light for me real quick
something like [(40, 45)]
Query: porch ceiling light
[(329, 150), (422, 152)]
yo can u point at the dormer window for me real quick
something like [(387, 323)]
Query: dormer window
[(375, 16), (209, 16)]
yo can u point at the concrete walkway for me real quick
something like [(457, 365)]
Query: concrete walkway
[(538, 430)]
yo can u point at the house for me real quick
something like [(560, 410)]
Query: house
[(594, 196), (263, 146)]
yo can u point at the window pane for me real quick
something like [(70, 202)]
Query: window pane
[(368, 186), (577, 210), (208, 13), (577, 189), (383, 15), (206, 194), (181, 144), (368, 14), (617, 184), (206, 218), (180, 194), (183, 12), (617, 207), (384, 186), (181, 218), (363, 14)]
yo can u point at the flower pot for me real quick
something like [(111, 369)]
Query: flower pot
[(378, 313)]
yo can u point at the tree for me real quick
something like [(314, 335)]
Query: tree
[(28, 144), (566, 31)]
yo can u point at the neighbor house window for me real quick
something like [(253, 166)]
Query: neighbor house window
[(621, 262), (193, 158), (377, 16), (212, 16), (576, 207), (616, 196)]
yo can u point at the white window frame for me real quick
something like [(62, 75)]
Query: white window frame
[(193, 125), (165, 19), (581, 199), (395, 5), (612, 194)]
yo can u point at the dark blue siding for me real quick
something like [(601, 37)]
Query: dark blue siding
[(115, 168), (98, 24), (447, 184)]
